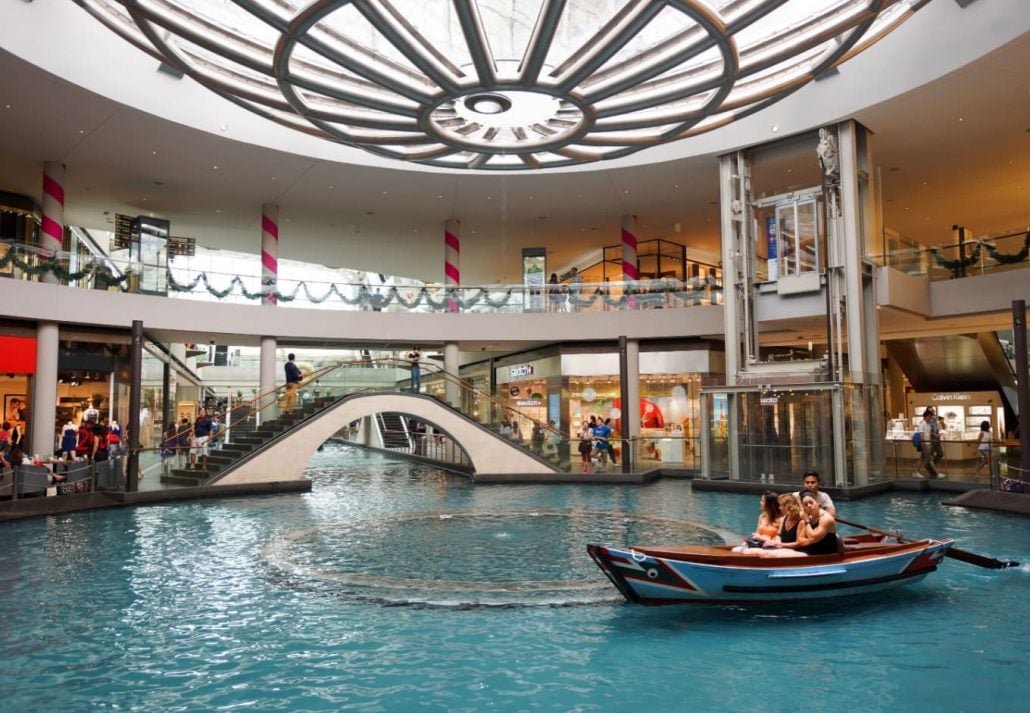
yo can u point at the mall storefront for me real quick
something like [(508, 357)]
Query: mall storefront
[(569, 385)]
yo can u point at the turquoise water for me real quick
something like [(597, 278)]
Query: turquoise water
[(393, 587)]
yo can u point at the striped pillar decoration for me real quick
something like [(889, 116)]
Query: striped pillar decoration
[(269, 252), (51, 235), (452, 259), (630, 273)]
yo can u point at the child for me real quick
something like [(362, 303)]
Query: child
[(168, 447)]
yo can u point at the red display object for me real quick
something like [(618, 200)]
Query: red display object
[(17, 355)]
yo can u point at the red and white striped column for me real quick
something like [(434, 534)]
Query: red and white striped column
[(452, 259), (269, 252), (630, 273), (51, 236)]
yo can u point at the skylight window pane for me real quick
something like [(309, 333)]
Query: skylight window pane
[(580, 21)]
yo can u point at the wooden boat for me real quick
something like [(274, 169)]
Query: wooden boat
[(717, 575)]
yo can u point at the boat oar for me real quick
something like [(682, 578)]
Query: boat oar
[(953, 552)]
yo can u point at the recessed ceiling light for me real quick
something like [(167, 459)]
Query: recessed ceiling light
[(439, 196), (154, 153), (384, 193), (216, 168), (960, 120), (775, 128), (223, 127), (82, 131), (218, 210), (330, 188), (274, 178), (675, 185)]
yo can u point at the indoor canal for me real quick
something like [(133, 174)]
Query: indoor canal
[(398, 587)]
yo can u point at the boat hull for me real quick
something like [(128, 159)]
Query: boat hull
[(682, 575)]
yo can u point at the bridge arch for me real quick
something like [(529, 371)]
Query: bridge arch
[(288, 456)]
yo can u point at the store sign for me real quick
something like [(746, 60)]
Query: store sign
[(17, 355), (951, 397), (769, 400), (529, 402), (522, 370)]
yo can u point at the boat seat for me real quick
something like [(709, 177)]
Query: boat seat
[(863, 546)]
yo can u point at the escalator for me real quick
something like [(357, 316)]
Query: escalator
[(393, 431), (958, 362)]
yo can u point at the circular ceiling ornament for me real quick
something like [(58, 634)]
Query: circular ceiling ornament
[(497, 84)]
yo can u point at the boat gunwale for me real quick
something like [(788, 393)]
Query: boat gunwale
[(723, 556)]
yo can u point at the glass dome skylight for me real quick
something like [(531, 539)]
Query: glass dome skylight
[(503, 84)]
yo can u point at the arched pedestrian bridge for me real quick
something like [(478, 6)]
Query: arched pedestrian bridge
[(286, 457)]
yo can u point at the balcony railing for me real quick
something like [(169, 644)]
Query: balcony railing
[(184, 281), (981, 256)]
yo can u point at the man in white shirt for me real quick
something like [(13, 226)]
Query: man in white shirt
[(928, 432), (812, 481)]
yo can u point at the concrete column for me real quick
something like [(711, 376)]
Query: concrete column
[(266, 379), (450, 365), (51, 233), (269, 252), (629, 394), (452, 258), (44, 390)]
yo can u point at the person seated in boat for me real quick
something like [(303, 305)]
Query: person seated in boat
[(790, 510), (768, 525), (812, 482), (817, 531)]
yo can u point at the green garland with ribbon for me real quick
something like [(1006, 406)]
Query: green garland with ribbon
[(1009, 258), (53, 265), (960, 263)]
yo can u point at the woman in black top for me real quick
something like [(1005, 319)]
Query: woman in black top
[(817, 531)]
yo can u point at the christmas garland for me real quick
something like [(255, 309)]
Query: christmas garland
[(1010, 258), (53, 265), (955, 265)]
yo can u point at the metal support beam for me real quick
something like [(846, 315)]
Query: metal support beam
[(1022, 385), (135, 393)]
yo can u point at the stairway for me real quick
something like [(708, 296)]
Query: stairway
[(243, 438)]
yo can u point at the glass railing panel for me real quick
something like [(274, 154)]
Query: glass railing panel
[(188, 281), (981, 256)]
